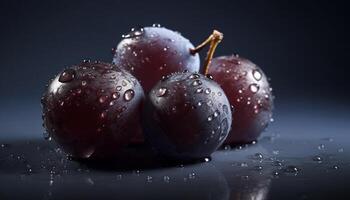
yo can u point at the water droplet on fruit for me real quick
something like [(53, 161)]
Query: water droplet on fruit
[(216, 113), (199, 103), (129, 94), (166, 179), (103, 114), (199, 90), (209, 76), (196, 83), (115, 95), (321, 147), (210, 118), (257, 74), (135, 32), (103, 99), (240, 91), (194, 76), (161, 92), (258, 168), (156, 25), (254, 87), (119, 88), (165, 49), (83, 83), (207, 91), (124, 83), (67, 76)]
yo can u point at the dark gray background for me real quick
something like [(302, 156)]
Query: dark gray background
[(301, 45)]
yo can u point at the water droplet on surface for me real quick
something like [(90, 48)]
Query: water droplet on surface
[(216, 113), (209, 76), (194, 76), (336, 167), (257, 74), (291, 169), (102, 99), (119, 87), (207, 91), (258, 156), (196, 83), (317, 158), (83, 83), (129, 94), (254, 87), (166, 179), (156, 25), (115, 95), (199, 90), (258, 168), (149, 179), (135, 32), (210, 118), (67, 75), (161, 92), (244, 164), (192, 175), (321, 147), (225, 109)]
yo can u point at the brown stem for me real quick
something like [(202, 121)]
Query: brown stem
[(214, 39)]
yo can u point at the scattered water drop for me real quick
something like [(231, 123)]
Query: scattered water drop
[(115, 95), (103, 99), (210, 118), (317, 158), (209, 76), (257, 74), (258, 156), (199, 90), (321, 147), (119, 87), (244, 164), (194, 76), (83, 83), (254, 87), (196, 83), (207, 91), (192, 175), (291, 169), (67, 75), (129, 94), (135, 32), (161, 92), (225, 109), (149, 179), (166, 179), (258, 168), (156, 25)]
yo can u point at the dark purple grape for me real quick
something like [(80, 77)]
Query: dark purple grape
[(153, 52), (248, 91), (187, 116), (92, 109)]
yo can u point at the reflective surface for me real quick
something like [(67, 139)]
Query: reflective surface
[(303, 155)]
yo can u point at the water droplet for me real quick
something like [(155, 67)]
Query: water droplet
[(210, 76), (192, 175), (291, 169), (124, 83), (317, 158), (258, 156), (129, 94), (244, 164), (103, 99), (210, 118), (149, 179), (156, 25), (341, 150), (67, 75), (86, 61), (83, 83), (161, 92), (219, 93), (194, 76), (103, 115), (207, 91), (199, 103), (135, 32), (199, 90), (321, 147), (165, 48), (240, 91), (258, 168), (257, 74), (119, 87), (196, 83), (254, 87), (216, 113), (336, 167), (115, 95), (166, 179)]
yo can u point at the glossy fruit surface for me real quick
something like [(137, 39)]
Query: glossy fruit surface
[(153, 52), (248, 91), (188, 116), (92, 109)]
